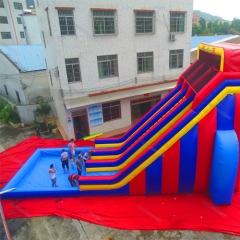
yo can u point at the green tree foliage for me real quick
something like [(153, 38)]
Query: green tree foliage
[(210, 24), (43, 109), (236, 24), (9, 113), (215, 27), (202, 23)]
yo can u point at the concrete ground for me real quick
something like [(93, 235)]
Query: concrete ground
[(56, 228)]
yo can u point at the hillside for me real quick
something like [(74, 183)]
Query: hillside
[(207, 16)]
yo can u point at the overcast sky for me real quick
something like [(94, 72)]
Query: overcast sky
[(227, 9)]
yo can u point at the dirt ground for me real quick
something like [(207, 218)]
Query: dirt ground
[(56, 228)]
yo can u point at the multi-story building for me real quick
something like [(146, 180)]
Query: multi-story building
[(110, 61), (11, 27), (195, 19)]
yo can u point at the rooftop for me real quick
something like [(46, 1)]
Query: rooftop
[(209, 39), (27, 58)]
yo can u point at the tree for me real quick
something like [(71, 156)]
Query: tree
[(225, 27), (196, 30), (210, 24), (233, 31), (236, 24), (202, 23), (43, 109), (215, 27)]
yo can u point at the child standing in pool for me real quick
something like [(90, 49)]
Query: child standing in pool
[(72, 146), (52, 174)]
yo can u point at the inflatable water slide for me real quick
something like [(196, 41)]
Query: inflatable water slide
[(187, 143)]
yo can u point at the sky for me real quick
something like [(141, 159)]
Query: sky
[(227, 9)]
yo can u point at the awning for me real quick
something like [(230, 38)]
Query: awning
[(106, 97)]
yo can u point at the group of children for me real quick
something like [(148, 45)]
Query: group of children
[(64, 159)]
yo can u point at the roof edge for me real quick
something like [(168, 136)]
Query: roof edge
[(10, 60)]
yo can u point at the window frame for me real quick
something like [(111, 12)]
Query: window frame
[(49, 23), (177, 22), (16, 5), (73, 70), (144, 12), (66, 16), (109, 63), (114, 17), (1, 4), (3, 18), (177, 55), (22, 34), (144, 62), (18, 96), (110, 107), (6, 90), (6, 33), (19, 20)]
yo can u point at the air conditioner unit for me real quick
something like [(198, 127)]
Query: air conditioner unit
[(172, 37)]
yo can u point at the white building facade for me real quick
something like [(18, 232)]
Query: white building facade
[(11, 27), (109, 62)]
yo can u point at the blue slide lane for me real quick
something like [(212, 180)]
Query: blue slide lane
[(188, 161), (224, 167), (123, 173), (142, 120), (146, 137), (139, 133)]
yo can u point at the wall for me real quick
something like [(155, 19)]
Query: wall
[(32, 31), (26, 112), (126, 44), (85, 46), (12, 25), (9, 76), (30, 85), (36, 84)]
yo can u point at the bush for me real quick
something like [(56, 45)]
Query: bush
[(9, 113), (2, 103), (43, 109)]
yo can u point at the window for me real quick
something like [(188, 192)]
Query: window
[(104, 22), (144, 22), (18, 97), (18, 5), (1, 4), (176, 59), (19, 20), (22, 35), (73, 69), (177, 22), (66, 22), (49, 25), (107, 66), (145, 62), (6, 90), (111, 111), (44, 39), (3, 20), (50, 75), (6, 35)]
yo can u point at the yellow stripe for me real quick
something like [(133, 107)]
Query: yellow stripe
[(109, 145), (144, 146), (92, 136), (116, 145), (182, 132)]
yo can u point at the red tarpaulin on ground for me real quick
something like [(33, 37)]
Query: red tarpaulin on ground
[(192, 212)]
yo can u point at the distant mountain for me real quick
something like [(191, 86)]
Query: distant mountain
[(207, 16), (30, 3)]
